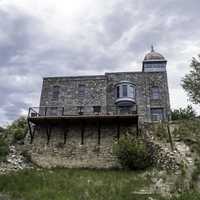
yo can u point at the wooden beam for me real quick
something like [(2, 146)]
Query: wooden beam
[(48, 131), (99, 132), (118, 129), (31, 130), (137, 127), (65, 134)]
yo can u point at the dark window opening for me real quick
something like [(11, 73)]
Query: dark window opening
[(118, 91), (96, 109), (56, 91), (81, 90)]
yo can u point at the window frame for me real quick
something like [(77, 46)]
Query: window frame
[(156, 114), (125, 90), (155, 93), (81, 90)]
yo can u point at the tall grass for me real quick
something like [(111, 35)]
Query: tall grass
[(74, 184)]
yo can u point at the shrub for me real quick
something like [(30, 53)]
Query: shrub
[(132, 153), (3, 149), (18, 129), (27, 155), (188, 196), (183, 113)]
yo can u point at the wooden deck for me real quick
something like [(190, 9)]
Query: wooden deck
[(75, 118)]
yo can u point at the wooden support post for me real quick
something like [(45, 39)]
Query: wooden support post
[(137, 127), (82, 131), (31, 131), (63, 111), (48, 131), (45, 111), (99, 132), (65, 134), (118, 129)]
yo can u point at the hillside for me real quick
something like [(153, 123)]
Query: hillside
[(73, 184)]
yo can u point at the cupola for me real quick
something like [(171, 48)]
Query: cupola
[(154, 62)]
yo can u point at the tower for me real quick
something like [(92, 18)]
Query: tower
[(154, 62)]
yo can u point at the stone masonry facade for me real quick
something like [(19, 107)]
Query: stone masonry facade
[(98, 102)]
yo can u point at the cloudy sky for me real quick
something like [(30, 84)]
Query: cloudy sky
[(78, 37)]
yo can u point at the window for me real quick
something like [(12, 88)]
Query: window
[(56, 91), (81, 90), (156, 114), (124, 90), (131, 91), (96, 109), (155, 93), (118, 91)]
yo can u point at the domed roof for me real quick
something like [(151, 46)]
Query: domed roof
[(153, 55)]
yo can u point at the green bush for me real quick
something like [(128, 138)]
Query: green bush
[(3, 149), (132, 153), (18, 129), (183, 113), (188, 196)]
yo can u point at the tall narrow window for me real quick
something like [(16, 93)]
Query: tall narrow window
[(124, 90), (56, 91), (155, 93), (118, 91), (131, 91), (81, 90)]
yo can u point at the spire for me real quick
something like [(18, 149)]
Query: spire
[(152, 48)]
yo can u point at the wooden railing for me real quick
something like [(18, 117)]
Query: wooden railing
[(80, 110)]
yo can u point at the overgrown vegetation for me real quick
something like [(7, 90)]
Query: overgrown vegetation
[(12, 134), (191, 81), (188, 196), (189, 132), (132, 153), (3, 149), (17, 130), (183, 113), (75, 184)]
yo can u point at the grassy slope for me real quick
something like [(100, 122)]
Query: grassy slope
[(74, 184)]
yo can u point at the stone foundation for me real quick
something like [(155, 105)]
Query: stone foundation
[(73, 154)]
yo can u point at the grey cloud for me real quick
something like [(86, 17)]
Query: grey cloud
[(126, 33)]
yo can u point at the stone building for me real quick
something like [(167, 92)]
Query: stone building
[(80, 117)]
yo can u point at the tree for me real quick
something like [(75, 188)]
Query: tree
[(18, 129), (191, 81), (183, 113)]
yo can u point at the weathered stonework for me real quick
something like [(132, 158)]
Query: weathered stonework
[(73, 153), (67, 99)]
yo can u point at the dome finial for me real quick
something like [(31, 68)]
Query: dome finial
[(152, 48)]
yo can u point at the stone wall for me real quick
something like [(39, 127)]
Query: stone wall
[(144, 82), (90, 154), (101, 91), (94, 95)]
